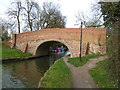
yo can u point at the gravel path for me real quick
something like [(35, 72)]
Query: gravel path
[(80, 75)]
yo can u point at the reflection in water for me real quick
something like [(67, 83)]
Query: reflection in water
[(26, 74)]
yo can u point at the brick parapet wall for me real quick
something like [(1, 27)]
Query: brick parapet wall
[(89, 34), (63, 30), (96, 37)]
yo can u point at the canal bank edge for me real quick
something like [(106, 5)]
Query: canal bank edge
[(46, 73), (20, 58)]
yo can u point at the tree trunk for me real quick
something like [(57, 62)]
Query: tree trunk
[(29, 21), (18, 24)]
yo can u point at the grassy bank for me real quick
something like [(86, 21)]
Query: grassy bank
[(58, 76), (101, 76), (0, 50), (75, 61), (7, 52)]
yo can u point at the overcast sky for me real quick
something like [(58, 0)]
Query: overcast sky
[(69, 8)]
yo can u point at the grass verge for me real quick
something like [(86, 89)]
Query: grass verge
[(75, 61), (101, 76), (58, 76), (0, 50), (7, 52)]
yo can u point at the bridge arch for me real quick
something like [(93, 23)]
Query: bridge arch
[(42, 48)]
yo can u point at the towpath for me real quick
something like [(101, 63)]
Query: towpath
[(80, 75)]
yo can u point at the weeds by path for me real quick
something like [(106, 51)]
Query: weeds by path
[(101, 76)]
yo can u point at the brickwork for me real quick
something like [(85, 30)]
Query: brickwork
[(7, 43), (30, 41)]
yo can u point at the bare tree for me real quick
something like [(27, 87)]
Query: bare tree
[(82, 17), (96, 14), (37, 17), (32, 9), (51, 16), (31, 16), (93, 19), (14, 14)]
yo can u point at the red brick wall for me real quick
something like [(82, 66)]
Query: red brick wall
[(89, 34), (92, 35), (8, 43)]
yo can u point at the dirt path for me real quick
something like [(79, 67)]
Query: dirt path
[(80, 75)]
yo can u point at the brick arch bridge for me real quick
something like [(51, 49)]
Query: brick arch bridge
[(94, 40)]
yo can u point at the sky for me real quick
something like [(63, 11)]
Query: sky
[(69, 8)]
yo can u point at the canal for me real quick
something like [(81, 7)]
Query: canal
[(27, 73)]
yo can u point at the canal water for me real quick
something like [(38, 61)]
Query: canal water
[(27, 73)]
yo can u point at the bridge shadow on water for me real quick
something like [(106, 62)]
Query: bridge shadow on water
[(27, 73)]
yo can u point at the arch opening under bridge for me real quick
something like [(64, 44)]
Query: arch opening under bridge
[(47, 48)]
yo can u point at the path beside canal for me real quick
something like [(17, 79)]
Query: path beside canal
[(80, 75)]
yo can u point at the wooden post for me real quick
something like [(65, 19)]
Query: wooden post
[(81, 41)]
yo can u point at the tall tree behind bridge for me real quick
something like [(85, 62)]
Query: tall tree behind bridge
[(51, 16), (31, 11), (28, 16), (14, 13), (37, 17), (94, 17)]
